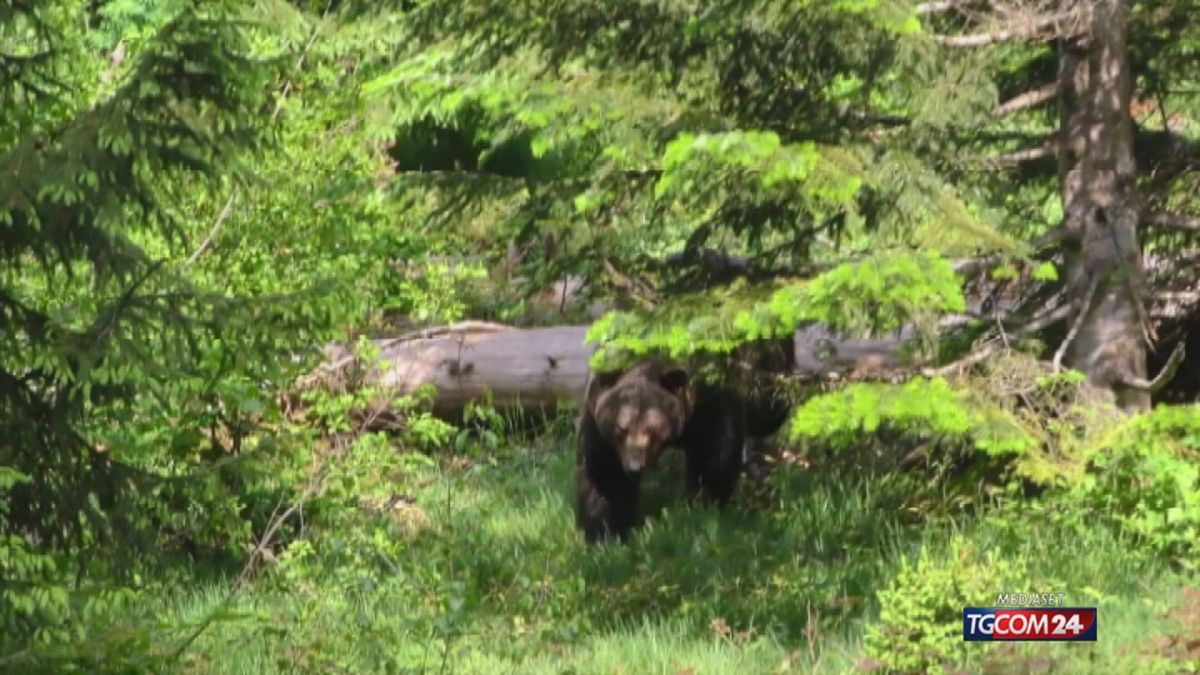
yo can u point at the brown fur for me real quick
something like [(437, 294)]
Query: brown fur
[(628, 419), (641, 411)]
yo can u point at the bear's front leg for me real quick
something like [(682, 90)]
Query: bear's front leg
[(606, 497), (713, 443)]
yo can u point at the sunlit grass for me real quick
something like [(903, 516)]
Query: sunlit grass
[(497, 580)]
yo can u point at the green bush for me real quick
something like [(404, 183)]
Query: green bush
[(920, 622), (1146, 480)]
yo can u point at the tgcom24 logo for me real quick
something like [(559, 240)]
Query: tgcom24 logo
[(1043, 624)]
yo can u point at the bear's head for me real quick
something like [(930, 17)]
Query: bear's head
[(639, 412)]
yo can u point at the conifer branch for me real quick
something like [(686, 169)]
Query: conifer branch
[(287, 88)]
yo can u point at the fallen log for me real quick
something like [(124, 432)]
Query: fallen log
[(536, 368)]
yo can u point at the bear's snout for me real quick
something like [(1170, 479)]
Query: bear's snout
[(636, 452)]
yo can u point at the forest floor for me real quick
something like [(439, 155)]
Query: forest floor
[(477, 568)]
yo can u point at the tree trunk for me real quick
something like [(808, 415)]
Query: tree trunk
[(1104, 274), (536, 368)]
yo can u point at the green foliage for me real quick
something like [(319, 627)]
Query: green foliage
[(921, 610), (555, 116), (930, 407), (1138, 473), (89, 316), (879, 295), (157, 299), (875, 296), (719, 128), (476, 568), (433, 293), (199, 194), (692, 168), (41, 610), (1146, 480), (34, 604), (1045, 272)]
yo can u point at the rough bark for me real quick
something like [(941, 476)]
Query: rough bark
[(1104, 273), (536, 368)]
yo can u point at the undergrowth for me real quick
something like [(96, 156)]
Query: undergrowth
[(466, 563)]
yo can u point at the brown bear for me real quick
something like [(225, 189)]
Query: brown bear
[(763, 366), (629, 417)]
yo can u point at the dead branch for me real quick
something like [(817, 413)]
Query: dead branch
[(1029, 99), (1164, 376), (315, 484), (1034, 28), (212, 232), (1181, 297), (1084, 308), (1010, 159), (1171, 221), (469, 326), (994, 345), (970, 267), (926, 8)]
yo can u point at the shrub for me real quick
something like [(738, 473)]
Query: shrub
[(920, 618)]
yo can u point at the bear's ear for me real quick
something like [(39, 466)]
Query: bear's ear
[(675, 381), (597, 384), (605, 380)]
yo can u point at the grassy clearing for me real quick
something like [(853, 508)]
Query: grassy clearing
[(483, 572)]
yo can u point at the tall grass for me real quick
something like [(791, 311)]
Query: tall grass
[(493, 578)]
